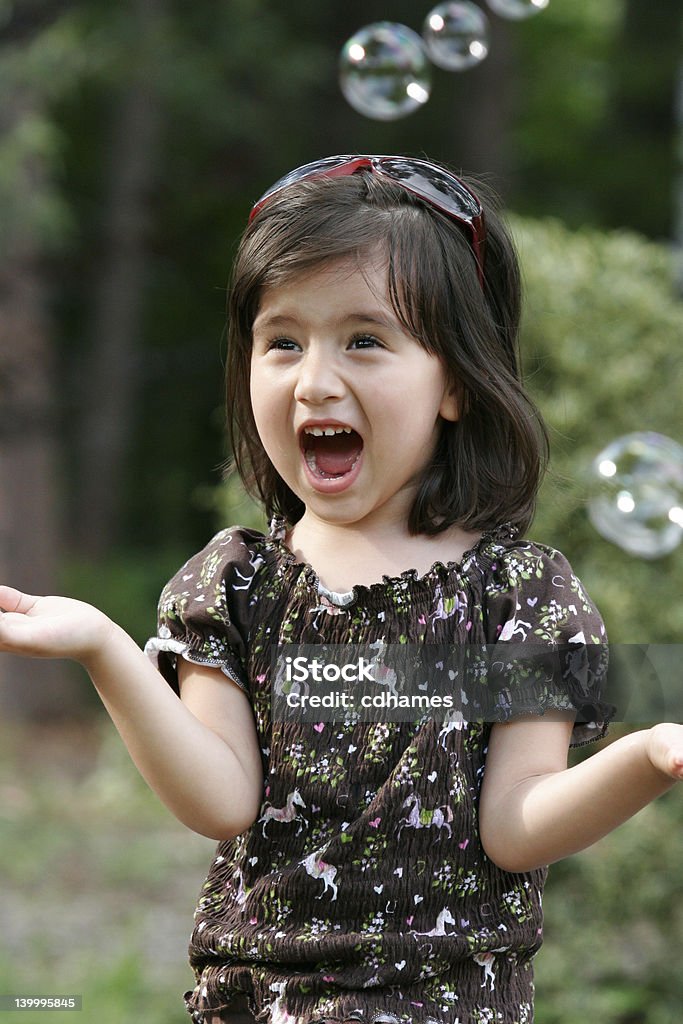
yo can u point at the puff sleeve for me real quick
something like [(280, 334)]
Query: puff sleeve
[(550, 637), (202, 614)]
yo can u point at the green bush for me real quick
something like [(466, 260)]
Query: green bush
[(614, 926), (601, 340)]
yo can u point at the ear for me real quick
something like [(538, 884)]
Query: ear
[(451, 403)]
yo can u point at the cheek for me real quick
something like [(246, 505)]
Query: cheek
[(269, 416), (261, 396)]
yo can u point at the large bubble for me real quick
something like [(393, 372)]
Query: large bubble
[(384, 72), (515, 10), (456, 35), (637, 494)]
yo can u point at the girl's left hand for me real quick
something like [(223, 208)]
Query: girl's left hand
[(664, 745)]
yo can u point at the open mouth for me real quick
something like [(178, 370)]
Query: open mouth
[(331, 452)]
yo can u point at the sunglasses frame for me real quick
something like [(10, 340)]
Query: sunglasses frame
[(470, 215)]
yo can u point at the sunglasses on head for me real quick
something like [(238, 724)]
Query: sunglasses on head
[(434, 185)]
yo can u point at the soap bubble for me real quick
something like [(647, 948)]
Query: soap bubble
[(456, 35), (637, 494), (384, 71), (515, 10)]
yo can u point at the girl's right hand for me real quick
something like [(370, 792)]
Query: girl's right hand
[(200, 754), (51, 627)]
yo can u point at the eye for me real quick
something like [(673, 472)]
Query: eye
[(361, 341), (282, 345)]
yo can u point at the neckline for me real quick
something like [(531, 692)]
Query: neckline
[(473, 555)]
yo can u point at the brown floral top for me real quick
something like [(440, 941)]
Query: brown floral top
[(362, 890)]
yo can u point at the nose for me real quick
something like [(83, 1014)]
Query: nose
[(319, 379)]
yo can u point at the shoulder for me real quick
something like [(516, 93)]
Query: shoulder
[(215, 583), (532, 590), (234, 552), (203, 612), (514, 562), (234, 543)]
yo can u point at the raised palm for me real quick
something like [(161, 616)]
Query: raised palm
[(51, 627)]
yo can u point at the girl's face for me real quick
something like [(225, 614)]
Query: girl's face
[(347, 404)]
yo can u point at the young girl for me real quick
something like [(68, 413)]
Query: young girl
[(380, 871)]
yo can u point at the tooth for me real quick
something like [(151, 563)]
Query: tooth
[(327, 431)]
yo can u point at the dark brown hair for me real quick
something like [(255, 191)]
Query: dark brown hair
[(488, 465)]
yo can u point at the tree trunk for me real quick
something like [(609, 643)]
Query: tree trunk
[(483, 107), (29, 455), (641, 119), (110, 382)]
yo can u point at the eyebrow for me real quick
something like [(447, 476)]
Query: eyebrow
[(283, 320)]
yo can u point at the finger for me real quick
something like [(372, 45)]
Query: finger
[(32, 635), (12, 600), (18, 634), (676, 759)]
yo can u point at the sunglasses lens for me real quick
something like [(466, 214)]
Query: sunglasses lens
[(317, 168), (436, 186)]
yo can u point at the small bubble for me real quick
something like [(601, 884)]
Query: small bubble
[(456, 36), (384, 73), (515, 10), (636, 498)]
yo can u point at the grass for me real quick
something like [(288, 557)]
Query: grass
[(99, 881)]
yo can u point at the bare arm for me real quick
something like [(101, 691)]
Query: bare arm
[(199, 754), (534, 810)]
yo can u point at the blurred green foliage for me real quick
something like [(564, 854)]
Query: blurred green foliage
[(560, 111), (99, 880), (601, 341), (614, 926)]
